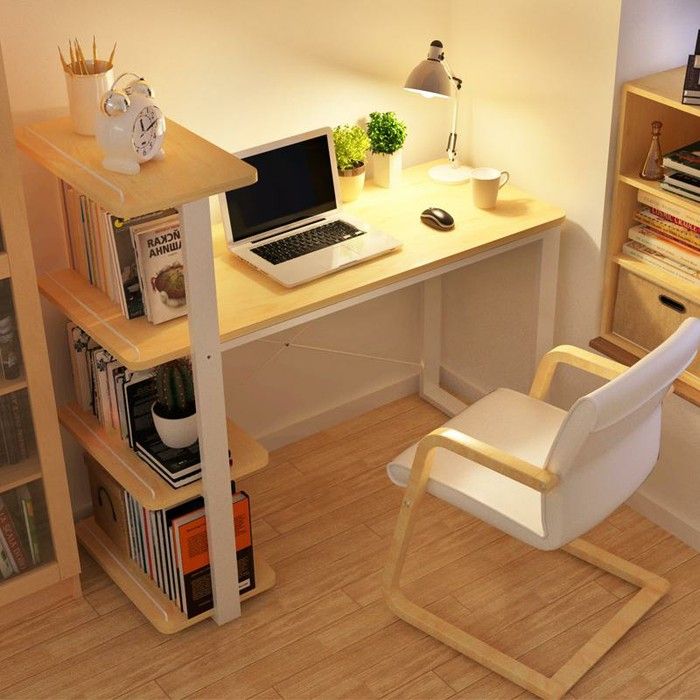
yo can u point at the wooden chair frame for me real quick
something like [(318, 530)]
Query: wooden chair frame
[(652, 587)]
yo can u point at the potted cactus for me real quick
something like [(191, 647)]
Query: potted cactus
[(387, 135), (174, 411), (351, 144)]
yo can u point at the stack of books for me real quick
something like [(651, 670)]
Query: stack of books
[(137, 262), (666, 236), (16, 428), (682, 171), (20, 548), (121, 400), (170, 545)]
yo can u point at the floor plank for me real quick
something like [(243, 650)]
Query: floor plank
[(324, 516)]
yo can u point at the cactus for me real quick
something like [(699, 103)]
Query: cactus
[(175, 389)]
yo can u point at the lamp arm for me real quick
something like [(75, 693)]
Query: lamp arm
[(452, 138)]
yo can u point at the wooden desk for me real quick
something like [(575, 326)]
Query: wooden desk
[(252, 306)]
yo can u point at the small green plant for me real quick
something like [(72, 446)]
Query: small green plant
[(386, 132), (351, 144), (175, 389)]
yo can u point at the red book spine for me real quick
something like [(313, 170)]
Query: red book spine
[(13, 542)]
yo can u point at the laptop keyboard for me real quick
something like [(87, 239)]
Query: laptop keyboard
[(307, 242)]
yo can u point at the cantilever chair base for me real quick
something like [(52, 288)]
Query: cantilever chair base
[(652, 589)]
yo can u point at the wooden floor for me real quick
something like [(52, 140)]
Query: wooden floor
[(324, 513)]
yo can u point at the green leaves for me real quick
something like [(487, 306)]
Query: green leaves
[(386, 132), (351, 144)]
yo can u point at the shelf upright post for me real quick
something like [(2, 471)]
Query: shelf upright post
[(203, 319)]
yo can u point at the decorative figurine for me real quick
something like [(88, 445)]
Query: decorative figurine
[(653, 168)]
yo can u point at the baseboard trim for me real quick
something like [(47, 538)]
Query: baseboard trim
[(459, 386), (337, 414), (666, 518)]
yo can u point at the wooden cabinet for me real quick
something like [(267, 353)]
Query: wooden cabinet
[(35, 510), (642, 303), (192, 171)]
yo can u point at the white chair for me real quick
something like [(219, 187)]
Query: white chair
[(545, 476)]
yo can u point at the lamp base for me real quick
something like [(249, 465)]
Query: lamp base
[(450, 174)]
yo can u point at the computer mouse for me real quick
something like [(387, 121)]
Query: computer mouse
[(438, 218)]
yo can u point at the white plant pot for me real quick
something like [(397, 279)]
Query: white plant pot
[(351, 183), (176, 432), (387, 169)]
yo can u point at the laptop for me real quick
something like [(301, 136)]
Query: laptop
[(289, 224)]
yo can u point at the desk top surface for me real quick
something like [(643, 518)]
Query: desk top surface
[(250, 301)]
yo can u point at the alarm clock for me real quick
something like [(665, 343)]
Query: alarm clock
[(130, 127)]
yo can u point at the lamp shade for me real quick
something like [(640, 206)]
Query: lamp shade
[(429, 78)]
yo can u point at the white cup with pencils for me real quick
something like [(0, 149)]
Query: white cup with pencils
[(86, 81)]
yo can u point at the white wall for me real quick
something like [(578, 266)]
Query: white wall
[(239, 74), (538, 82), (655, 36)]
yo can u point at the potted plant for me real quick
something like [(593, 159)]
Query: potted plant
[(351, 144), (387, 135), (174, 411)]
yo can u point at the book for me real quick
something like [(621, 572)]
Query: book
[(685, 159), (124, 257), (665, 245), (26, 502), (158, 247), (11, 539), (640, 252), (670, 211), (177, 466), (108, 504), (682, 181), (6, 567), (192, 555), (680, 192), (691, 84)]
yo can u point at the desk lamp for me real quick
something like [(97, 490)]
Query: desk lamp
[(433, 78)]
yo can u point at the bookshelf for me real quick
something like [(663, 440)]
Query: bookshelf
[(643, 304), (34, 467), (192, 170)]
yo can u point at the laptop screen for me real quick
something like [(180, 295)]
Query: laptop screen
[(294, 182)]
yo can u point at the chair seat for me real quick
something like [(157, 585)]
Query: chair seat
[(514, 422)]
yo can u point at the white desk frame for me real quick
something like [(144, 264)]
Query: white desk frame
[(431, 346)]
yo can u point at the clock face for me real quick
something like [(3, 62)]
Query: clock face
[(147, 132)]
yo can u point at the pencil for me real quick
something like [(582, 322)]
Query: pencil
[(63, 62), (72, 58), (94, 54), (111, 56), (81, 58)]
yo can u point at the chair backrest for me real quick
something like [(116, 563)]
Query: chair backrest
[(609, 442)]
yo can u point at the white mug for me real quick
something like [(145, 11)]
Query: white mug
[(485, 185)]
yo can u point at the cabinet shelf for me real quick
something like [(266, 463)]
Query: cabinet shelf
[(161, 612), (14, 475), (655, 188), (134, 475), (643, 303), (4, 266)]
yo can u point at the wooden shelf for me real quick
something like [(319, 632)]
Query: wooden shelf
[(4, 266), (161, 612), (134, 475), (620, 349), (14, 475), (8, 386), (192, 168), (657, 275), (665, 88), (656, 189)]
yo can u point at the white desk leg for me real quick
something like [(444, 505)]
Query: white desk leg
[(430, 389), (211, 410), (547, 300)]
